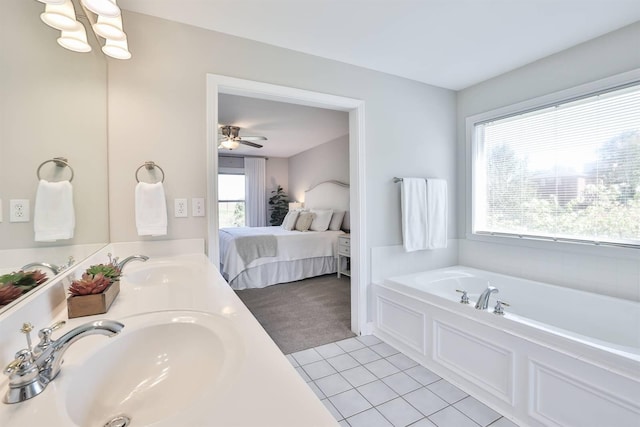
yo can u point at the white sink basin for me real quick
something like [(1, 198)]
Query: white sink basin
[(161, 366), (156, 273)]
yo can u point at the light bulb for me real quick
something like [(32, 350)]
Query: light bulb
[(75, 40), (109, 28), (60, 16), (117, 49), (229, 144), (106, 8)]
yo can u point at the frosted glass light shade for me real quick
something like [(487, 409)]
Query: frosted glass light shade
[(60, 16), (118, 49), (229, 144), (109, 28), (106, 8), (75, 40)]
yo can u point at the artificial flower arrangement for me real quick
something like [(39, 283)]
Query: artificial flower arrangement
[(95, 291), (18, 283)]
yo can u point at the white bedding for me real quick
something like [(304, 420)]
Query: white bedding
[(292, 246)]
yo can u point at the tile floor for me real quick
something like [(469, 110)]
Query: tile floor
[(366, 382)]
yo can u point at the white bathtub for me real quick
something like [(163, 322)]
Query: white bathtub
[(558, 357)]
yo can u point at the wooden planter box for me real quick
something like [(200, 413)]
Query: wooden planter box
[(88, 305)]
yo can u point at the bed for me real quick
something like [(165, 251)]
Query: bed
[(248, 258)]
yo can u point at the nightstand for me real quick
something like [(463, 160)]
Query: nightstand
[(344, 250)]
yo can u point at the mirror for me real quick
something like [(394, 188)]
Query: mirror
[(53, 103)]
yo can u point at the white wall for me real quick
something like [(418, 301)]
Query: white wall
[(157, 111), (609, 271), (329, 161)]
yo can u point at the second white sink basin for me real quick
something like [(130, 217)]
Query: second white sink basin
[(157, 273), (162, 365)]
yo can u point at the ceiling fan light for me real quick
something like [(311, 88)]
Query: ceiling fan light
[(106, 8), (109, 28), (229, 144), (75, 40), (118, 49), (61, 16)]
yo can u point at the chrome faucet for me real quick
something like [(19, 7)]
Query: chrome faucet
[(34, 368), (54, 268), (483, 300), (120, 265)]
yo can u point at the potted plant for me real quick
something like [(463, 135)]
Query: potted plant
[(95, 291), (279, 204), (18, 283)]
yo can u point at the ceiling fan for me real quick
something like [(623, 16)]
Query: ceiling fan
[(230, 138)]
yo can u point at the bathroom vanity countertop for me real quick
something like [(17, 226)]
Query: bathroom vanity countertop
[(264, 389)]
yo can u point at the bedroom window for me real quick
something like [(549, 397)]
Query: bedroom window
[(567, 172), (231, 200)]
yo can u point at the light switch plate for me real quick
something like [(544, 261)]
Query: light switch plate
[(19, 210), (180, 208), (197, 206)]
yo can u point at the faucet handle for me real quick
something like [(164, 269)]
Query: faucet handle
[(45, 333), (499, 308), (464, 298), (22, 361)]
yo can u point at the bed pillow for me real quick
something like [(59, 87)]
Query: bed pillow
[(336, 220), (304, 221), (290, 219), (321, 219)]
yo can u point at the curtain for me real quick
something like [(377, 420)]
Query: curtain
[(256, 198)]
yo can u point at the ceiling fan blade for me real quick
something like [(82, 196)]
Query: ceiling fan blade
[(254, 138), (250, 144)]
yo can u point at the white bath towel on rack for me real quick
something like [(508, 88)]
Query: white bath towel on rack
[(436, 213), (53, 215), (424, 213), (151, 209)]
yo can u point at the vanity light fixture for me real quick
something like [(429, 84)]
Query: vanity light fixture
[(106, 23)]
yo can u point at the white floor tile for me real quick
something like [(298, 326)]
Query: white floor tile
[(343, 423), (504, 422), (402, 362), (423, 423), (358, 376), (329, 350), (303, 374), (369, 418), (477, 411), (425, 401), (399, 412), (319, 369), (316, 390), (343, 362), (381, 368), (333, 384), (349, 403), (401, 383), (384, 349), (447, 391), (365, 355), (337, 415), (307, 356), (422, 375), (369, 340), (350, 344), (377, 392), (451, 417), (293, 361)]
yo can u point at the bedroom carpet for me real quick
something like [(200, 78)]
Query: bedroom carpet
[(303, 314)]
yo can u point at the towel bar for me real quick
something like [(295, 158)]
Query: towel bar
[(149, 166), (60, 162)]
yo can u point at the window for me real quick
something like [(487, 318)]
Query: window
[(231, 200), (568, 171)]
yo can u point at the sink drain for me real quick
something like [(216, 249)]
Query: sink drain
[(119, 421)]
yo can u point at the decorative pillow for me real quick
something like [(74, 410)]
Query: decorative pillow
[(289, 221), (336, 220), (321, 219), (304, 221)]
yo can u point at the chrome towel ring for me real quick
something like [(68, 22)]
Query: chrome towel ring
[(149, 166), (60, 162)]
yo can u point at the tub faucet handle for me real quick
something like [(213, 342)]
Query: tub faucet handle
[(464, 298), (499, 308)]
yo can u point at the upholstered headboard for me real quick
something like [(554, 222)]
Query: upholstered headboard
[(329, 195)]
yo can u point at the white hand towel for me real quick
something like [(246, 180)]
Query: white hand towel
[(414, 213), (436, 213), (151, 209), (53, 215)]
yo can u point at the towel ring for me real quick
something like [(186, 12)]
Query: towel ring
[(60, 162), (149, 166)]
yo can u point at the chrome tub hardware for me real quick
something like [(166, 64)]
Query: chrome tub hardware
[(499, 308), (464, 298), (34, 368), (120, 265), (483, 300)]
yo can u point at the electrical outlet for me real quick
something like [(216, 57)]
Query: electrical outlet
[(197, 206), (180, 208), (19, 210)]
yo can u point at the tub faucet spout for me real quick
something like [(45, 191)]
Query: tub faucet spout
[(483, 300)]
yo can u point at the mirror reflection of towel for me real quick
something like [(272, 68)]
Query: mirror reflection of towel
[(151, 209), (53, 215)]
